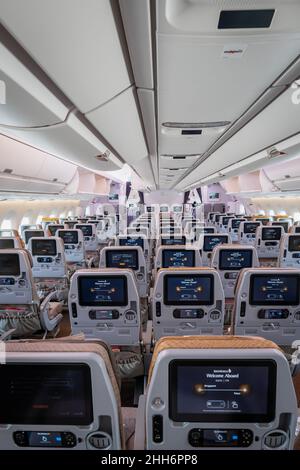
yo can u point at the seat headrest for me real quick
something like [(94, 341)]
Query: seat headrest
[(209, 342)]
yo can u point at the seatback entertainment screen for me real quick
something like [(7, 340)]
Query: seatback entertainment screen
[(33, 233), (53, 229), (69, 237), (87, 230), (122, 259), (46, 394), (134, 241), (189, 289), (178, 258), (235, 259), (102, 290), (9, 264), (222, 390), (294, 243), (6, 243), (44, 247), (274, 289), (173, 240), (250, 227), (271, 233), (225, 221), (236, 223), (210, 241), (284, 225)]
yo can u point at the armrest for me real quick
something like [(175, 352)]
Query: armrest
[(139, 437), (49, 324), (147, 336)]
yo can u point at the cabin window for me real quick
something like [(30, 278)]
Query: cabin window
[(6, 224)]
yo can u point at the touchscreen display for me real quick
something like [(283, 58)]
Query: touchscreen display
[(102, 291), (58, 394), (33, 233), (278, 289), (9, 264), (222, 391), (294, 243), (122, 259), (178, 258), (43, 247), (271, 233), (87, 230), (210, 241), (69, 237), (188, 289), (235, 259)]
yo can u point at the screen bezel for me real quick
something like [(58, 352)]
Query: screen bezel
[(268, 417), (191, 302), (268, 302), (177, 250), (222, 251), (59, 421), (105, 303), (135, 253)]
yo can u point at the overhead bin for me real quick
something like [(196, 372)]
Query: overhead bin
[(15, 183), (144, 170), (136, 18), (119, 121), (79, 46), (28, 102), (70, 140), (20, 159)]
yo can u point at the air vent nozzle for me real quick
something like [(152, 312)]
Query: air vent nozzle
[(103, 157), (273, 152)]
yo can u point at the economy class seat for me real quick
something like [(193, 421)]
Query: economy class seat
[(254, 407), (22, 312), (88, 415)]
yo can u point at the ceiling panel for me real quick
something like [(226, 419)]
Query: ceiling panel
[(75, 42), (119, 122), (206, 74)]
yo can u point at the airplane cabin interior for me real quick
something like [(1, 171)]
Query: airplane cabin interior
[(149, 225)]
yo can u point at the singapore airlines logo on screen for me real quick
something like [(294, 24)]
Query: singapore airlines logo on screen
[(2, 92)]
